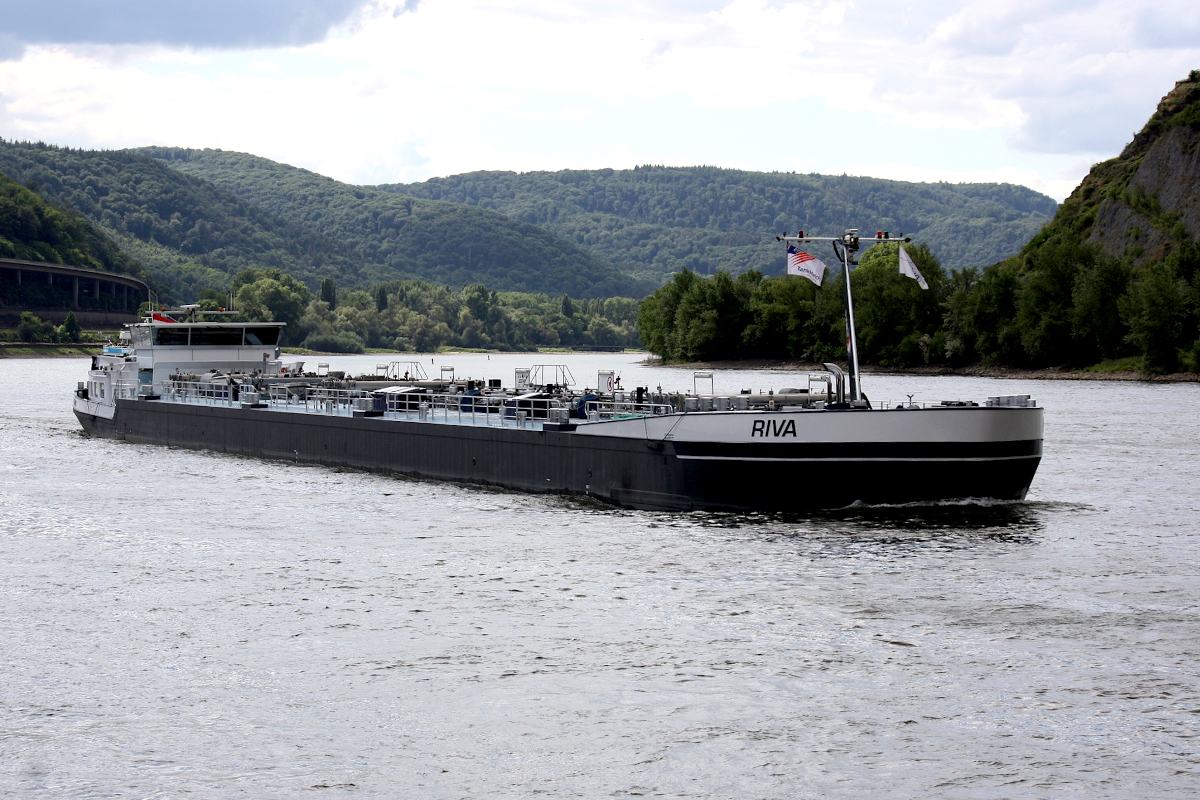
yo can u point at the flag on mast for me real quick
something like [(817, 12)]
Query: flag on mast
[(907, 267), (801, 263)]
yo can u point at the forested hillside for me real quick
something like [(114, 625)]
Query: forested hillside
[(190, 233), (187, 233), (33, 229), (395, 236), (657, 220), (1115, 278), (423, 316)]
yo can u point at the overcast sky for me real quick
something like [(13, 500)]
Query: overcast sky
[(381, 91)]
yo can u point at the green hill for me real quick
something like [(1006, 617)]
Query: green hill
[(656, 220), (186, 233), (394, 236), (35, 230)]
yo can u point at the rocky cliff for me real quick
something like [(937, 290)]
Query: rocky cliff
[(1145, 201)]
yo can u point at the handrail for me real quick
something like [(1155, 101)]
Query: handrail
[(482, 409), (613, 409)]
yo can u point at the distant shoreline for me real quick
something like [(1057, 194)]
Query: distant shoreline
[(44, 350), (975, 371)]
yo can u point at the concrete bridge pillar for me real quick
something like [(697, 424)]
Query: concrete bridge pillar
[(18, 277), (75, 293), (96, 289)]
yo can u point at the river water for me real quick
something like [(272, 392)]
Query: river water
[(180, 624)]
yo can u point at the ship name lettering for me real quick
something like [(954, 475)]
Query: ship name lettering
[(773, 427)]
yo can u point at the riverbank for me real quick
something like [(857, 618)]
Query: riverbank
[(1100, 373), (42, 350)]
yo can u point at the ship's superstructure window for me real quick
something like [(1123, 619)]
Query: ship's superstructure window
[(170, 335), (262, 335), (209, 335), (216, 337)]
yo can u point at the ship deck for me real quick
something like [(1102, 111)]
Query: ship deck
[(493, 411)]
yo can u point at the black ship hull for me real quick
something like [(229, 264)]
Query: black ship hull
[(643, 473)]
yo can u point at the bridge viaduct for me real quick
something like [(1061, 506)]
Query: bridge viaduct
[(97, 297)]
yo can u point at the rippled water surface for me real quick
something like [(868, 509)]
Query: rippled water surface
[(180, 624)]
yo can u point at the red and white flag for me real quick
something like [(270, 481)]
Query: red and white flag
[(801, 263)]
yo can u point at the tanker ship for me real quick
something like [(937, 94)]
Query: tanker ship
[(180, 379)]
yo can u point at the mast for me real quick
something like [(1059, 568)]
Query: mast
[(850, 245), (849, 242)]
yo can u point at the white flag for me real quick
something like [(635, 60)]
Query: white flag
[(907, 267), (801, 263)]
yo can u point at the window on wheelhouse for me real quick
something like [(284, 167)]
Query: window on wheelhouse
[(170, 335), (263, 335), (216, 337)]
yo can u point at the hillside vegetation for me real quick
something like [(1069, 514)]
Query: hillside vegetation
[(187, 233), (191, 233), (35, 230), (422, 316), (657, 220), (393, 236), (1115, 277)]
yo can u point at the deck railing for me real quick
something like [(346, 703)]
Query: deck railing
[(597, 410), (201, 392), (482, 409)]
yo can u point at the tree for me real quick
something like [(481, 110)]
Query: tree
[(32, 329), (1154, 310), (656, 315), (381, 298), (568, 308), (478, 300), (957, 323), (1045, 301), (1096, 325), (328, 293), (271, 296), (781, 310), (897, 321), (334, 342), (71, 330), (993, 312), (712, 316)]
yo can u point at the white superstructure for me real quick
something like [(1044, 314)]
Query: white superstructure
[(151, 352)]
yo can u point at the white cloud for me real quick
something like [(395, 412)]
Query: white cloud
[(1024, 90), (264, 67)]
